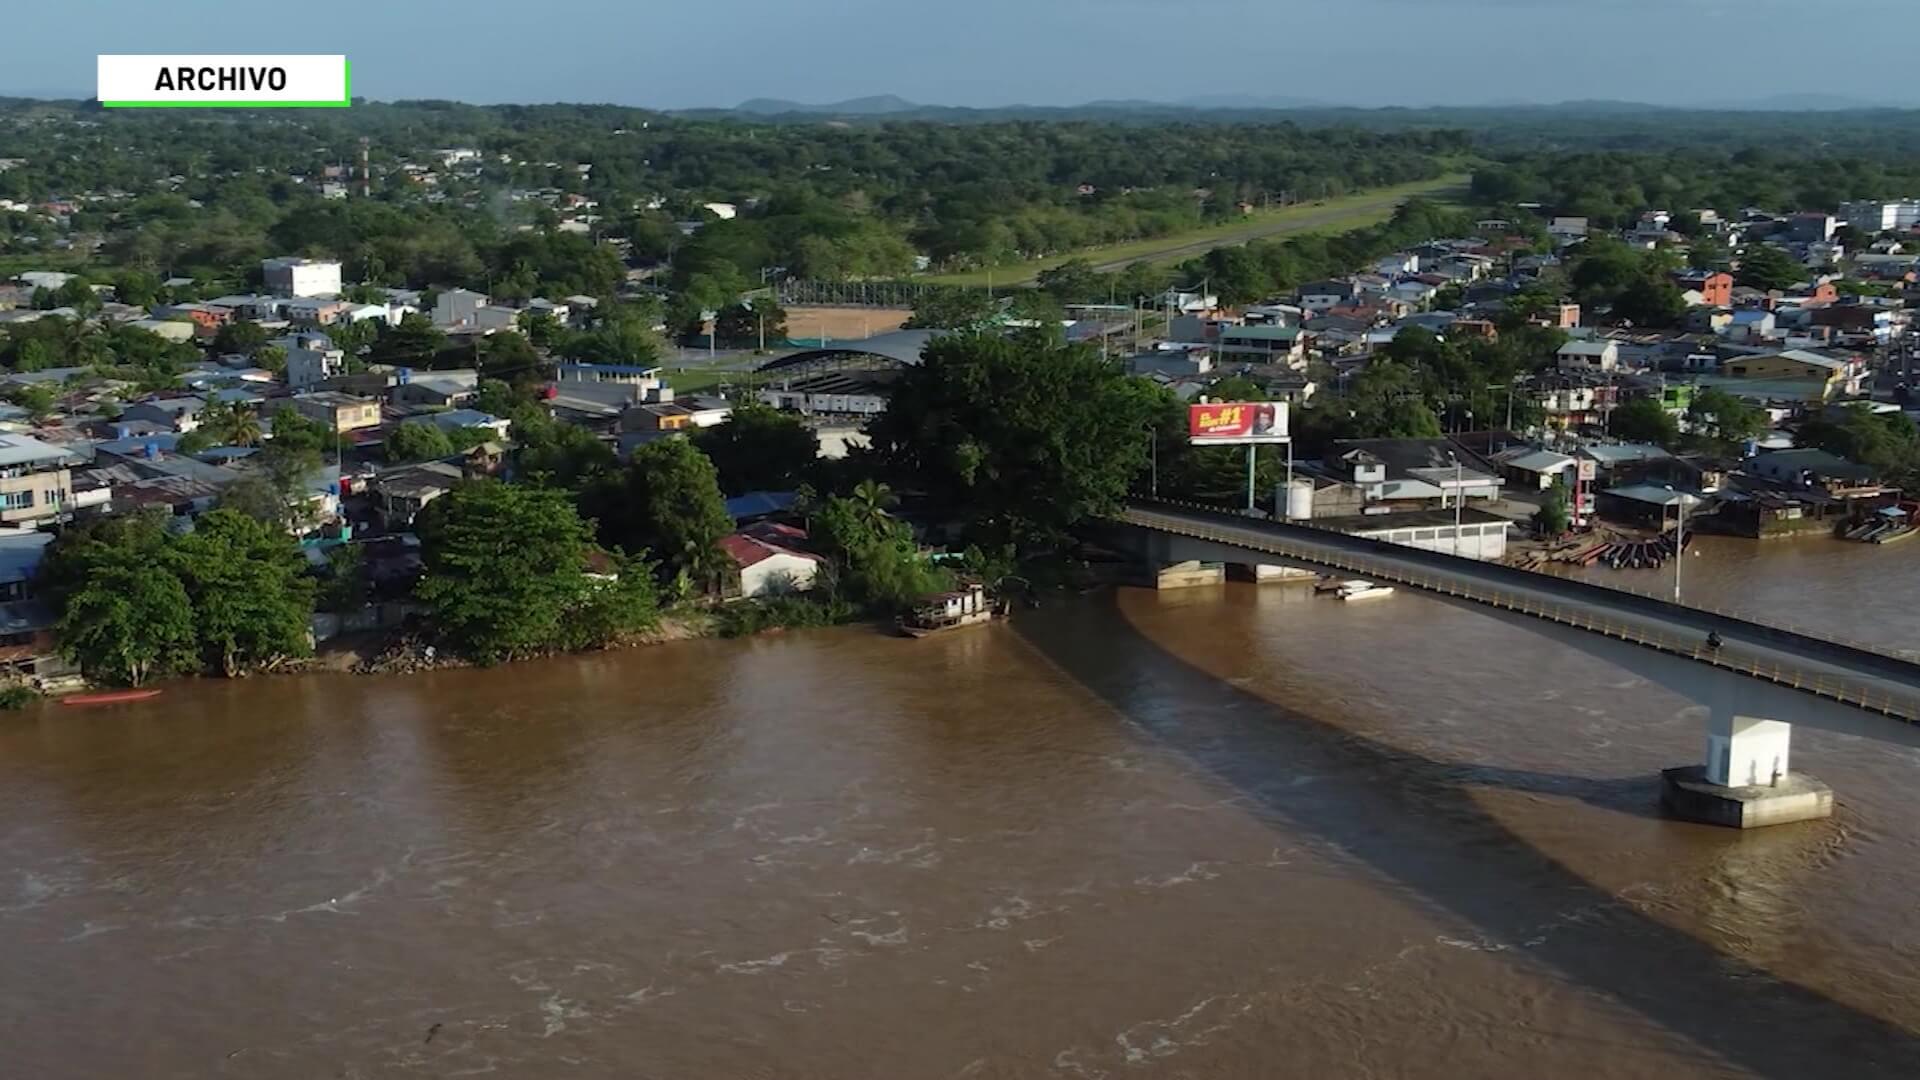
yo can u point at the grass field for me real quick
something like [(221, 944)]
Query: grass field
[(1330, 215)]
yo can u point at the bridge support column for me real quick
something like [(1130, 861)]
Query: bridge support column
[(1745, 782)]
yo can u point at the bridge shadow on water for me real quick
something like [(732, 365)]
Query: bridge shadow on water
[(1414, 821)]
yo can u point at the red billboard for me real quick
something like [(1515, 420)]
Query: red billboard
[(1237, 422)]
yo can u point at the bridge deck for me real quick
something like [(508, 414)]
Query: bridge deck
[(1876, 681)]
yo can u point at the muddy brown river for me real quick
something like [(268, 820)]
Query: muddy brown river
[(1221, 833)]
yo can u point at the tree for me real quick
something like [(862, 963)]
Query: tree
[(1725, 416), (1763, 266), (39, 399), (1019, 440), (512, 358), (1552, 519), (417, 441), (131, 620), (292, 431), (1889, 443), (878, 566), (251, 598), (667, 501), (759, 449), (1649, 301), (232, 423), (1644, 420), (952, 309), (255, 496), (748, 325), (240, 336), (78, 295), (413, 342), (506, 574), (124, 615), (272, 358)]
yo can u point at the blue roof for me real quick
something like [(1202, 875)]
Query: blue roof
[(759, 504)]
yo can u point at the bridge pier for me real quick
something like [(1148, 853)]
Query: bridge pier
[(1746, 782)]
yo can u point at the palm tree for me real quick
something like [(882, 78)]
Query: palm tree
[(874, 500), (233, 424), (243, 426)]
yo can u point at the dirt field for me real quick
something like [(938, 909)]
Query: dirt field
[(806, 325)]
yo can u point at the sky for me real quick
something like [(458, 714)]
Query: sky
[(678, 54)]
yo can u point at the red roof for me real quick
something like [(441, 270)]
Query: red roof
[(747, 550)]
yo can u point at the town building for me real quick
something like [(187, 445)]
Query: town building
[(767, 563), (1284, 345), (35, 481), (312, 359), (1872, 217), (340, 413), (1600, 356), (301, 277)]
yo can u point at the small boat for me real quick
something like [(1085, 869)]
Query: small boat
[(109, 697), (1364, 590), (1331, 584), (968, 606)]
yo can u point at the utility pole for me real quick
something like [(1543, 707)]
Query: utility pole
[(1459, 497), (1251, 447), (1679, 538)]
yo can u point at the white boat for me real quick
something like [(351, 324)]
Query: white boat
[(1363, 590), (1332, 584)]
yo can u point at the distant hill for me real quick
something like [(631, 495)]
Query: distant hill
[(877, 105), (1251, 101)]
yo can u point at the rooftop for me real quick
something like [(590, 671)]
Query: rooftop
[(26, 450)]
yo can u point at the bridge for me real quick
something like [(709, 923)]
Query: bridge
[(1759, 682)]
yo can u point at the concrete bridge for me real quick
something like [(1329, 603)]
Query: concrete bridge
[(1756, 685)]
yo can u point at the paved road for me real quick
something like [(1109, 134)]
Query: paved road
[(1855, 674), (1305, 223)]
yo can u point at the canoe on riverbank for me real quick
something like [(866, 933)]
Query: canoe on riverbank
[(110, 697)]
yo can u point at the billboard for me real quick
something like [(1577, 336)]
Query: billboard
[(1235, 423)]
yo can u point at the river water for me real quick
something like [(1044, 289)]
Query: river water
[(1229, 832)]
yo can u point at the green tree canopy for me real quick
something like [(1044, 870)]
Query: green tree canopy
[(507, 575), (1020, 440), (251, 597), (1764, 266), (759, 449), (667, 502), (1644, 420), (417, 441)]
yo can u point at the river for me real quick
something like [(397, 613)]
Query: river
[(1214, 834)]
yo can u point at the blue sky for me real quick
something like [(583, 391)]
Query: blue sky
[(677, 54)]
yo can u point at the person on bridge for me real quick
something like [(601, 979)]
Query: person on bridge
[(1713, 639)]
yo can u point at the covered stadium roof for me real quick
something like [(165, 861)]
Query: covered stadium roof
[(902, 347)]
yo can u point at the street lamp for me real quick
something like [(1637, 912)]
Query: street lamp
[(1459, 497), (1679, 538)]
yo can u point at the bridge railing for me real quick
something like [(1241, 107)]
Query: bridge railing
[(1437, 580), (1809, 633)]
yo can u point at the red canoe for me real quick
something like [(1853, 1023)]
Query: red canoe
[(111, 697)]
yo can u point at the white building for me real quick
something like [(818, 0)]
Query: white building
[(1589, 356), (1879, 217), (767, 567), (302, 277)]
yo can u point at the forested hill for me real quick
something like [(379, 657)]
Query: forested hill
[(191, 190)]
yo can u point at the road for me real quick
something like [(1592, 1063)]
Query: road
[(1854, 674), (1307, 222)]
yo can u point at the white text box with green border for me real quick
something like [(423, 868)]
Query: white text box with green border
[(293, 81)]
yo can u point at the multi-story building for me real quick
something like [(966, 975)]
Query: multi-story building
[(311, 360), (1878, 217), (35, 482), (301, 277), (339, 412)]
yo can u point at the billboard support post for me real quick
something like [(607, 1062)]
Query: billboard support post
[(1250, 450)]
